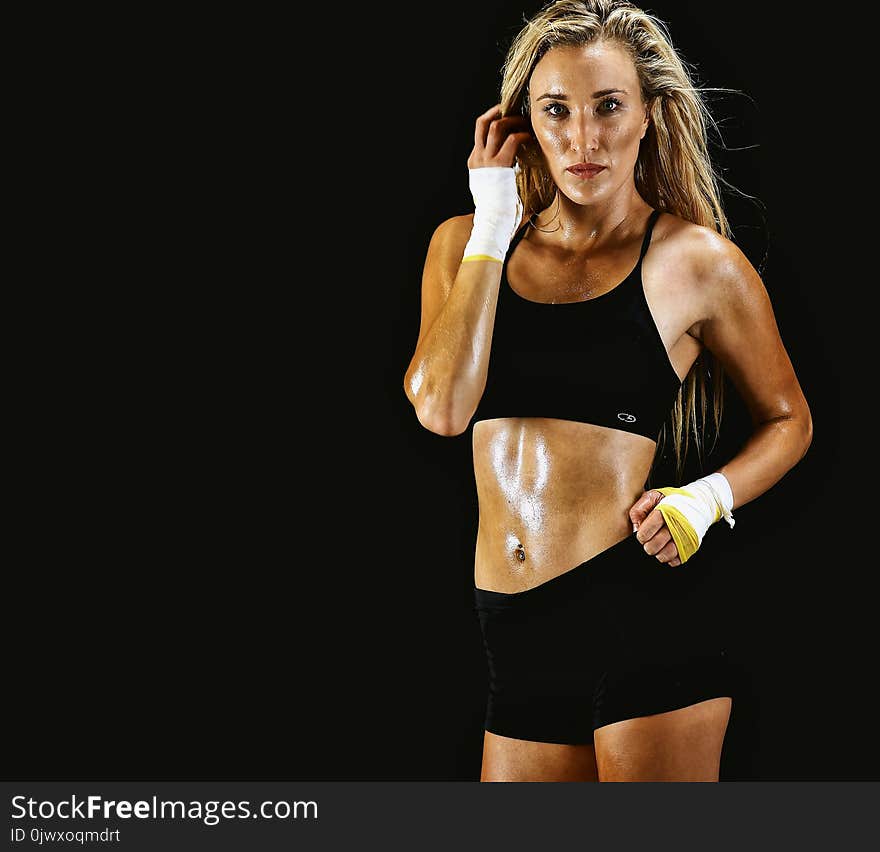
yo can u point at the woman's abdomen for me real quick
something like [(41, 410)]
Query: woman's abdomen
[(552, 494)]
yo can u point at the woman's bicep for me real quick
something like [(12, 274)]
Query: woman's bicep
[(740, 329)]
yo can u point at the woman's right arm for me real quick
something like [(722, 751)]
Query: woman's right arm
[(447, 374)]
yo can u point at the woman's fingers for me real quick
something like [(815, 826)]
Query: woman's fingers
[(643, 507), (499, 130), (509, 148), (668, 553), (653, 534), (650, 526), (482, 126), (662, 546), (653, 545), (497, 137)]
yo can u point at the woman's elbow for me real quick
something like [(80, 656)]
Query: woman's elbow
[(432, 412), (432, 419), (439, 423), (799, 433), (808, 434)]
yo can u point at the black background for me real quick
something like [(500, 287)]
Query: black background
[(261, 566)]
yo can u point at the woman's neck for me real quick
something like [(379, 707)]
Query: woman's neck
[(582, 227)]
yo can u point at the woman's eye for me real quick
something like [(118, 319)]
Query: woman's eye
[(548, 109), (608, 105)]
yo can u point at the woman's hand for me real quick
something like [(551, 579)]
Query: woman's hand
[(652, 532), (496, 139)]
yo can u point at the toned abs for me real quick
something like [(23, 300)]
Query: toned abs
[(554, 493)]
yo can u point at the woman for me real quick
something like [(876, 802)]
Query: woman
[(594, 165)]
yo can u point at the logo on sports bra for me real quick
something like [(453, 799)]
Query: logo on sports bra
[(627, 418)]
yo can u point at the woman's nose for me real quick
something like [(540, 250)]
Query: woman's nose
[(584, 132)]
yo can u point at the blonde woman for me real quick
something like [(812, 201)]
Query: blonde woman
[(582, 304)]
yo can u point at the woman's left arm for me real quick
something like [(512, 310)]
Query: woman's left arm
[(738, 326), (740, 329)]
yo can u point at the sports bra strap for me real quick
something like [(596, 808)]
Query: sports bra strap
[(655, 215)]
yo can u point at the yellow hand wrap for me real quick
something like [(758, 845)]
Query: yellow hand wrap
[(688, 512)]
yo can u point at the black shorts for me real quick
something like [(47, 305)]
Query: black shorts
[(618, 636)]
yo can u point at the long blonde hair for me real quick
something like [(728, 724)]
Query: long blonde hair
[(673, 173)]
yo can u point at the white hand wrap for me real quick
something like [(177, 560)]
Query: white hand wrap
[(497, 212), (691, 510)]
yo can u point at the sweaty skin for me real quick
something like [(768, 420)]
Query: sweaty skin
[(554, 493), (551, 494)]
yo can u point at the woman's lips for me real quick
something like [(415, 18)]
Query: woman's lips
[(585, 172)]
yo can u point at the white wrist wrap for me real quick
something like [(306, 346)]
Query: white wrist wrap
[(691, 510), (497, 212)]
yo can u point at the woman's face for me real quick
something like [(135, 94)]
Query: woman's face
[(586, 107)]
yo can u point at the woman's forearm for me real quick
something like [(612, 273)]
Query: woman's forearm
[(447, 374), (773, 449)]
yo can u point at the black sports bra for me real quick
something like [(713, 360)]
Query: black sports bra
[(599, 361)]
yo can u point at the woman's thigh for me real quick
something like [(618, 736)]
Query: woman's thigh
[(508, 759), (679, 745)]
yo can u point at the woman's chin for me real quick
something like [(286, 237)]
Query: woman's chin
[(580, 196)]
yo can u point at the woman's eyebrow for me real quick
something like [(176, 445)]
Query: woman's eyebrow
[(561, 96)]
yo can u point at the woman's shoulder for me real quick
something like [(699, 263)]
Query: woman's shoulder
[(455, 224), (692, 247), (451, 235), (702, 268)]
